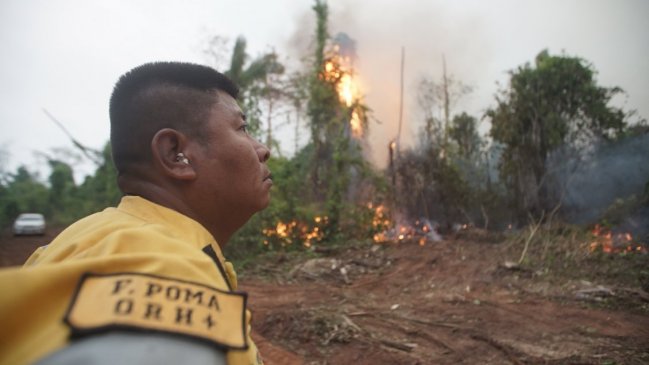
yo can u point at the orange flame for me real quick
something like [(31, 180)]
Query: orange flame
[(338, 70), (420, 232), (285, 233), (609, 243), (346, 89)]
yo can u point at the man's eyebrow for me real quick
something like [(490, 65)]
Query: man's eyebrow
[(243, 116)]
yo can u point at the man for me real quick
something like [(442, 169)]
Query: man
[(146, 282)]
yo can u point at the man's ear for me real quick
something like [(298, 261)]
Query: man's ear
[(169, 154)]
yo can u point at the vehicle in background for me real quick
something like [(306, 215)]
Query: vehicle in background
[(29, 223)]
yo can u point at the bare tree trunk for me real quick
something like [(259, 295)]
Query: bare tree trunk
[(446, 106), (269, 135), (403, 58)]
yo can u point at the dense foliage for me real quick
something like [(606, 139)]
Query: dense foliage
[(327, 191), (61, 200), (554, 103)]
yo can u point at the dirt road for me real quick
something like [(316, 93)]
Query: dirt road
[(14, 250), (449, 302)]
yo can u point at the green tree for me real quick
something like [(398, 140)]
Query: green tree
[(61, 181), (23, 193), (554, 102), (257, 80), (322, 107), (100, 190)]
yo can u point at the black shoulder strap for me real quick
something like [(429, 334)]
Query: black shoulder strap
[(210, 252)]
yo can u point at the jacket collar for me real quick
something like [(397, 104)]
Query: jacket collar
[(181, 226)]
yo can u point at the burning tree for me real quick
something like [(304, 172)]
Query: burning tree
[(302, 215), (338, 120)]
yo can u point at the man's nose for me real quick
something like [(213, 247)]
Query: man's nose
[(263, 152)]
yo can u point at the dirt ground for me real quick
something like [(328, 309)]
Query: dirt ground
[(448, 302), (14, 250)]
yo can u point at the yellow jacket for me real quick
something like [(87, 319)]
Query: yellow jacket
[(140, 267)]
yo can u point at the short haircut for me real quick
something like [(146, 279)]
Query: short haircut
[(161, 95)]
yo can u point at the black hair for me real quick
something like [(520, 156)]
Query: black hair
[(161, 95)]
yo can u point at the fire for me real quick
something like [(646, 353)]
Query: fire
[(610, 243), (380, 219), (286, 233), (338, 70), (346, 89), (309, 233), (422, 231), (356, 125)]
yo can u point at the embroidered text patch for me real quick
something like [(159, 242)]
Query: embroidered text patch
[(146, 302)]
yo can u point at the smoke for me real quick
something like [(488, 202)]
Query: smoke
[(611, 174), (481, 41), (426, 31)]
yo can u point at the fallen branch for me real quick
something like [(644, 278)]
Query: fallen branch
[(350, 323), (407, 347), (596, 293)]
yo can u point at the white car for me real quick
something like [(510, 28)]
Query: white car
[(29, 223)]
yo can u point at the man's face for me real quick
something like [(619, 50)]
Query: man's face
[(232, 166)]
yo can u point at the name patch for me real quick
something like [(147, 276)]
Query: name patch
[(154, 303)]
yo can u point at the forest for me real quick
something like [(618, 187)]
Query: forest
[(553, 131), (559, 184)]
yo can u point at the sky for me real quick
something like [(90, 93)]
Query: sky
[(64, 56)]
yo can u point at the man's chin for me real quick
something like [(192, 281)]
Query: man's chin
[(264, 203)]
